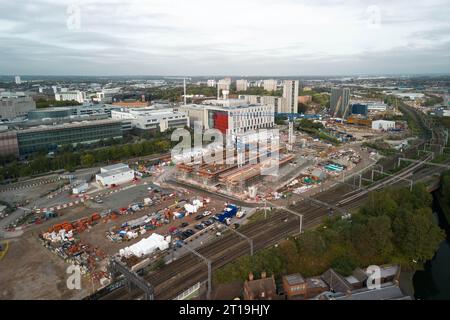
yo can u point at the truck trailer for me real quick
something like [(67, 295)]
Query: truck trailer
[(229, 212)]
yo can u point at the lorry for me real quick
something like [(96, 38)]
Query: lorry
[(82, 188), (229, 212)]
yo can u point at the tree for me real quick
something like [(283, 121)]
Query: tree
[(380, 203), (416, 236), (289, 252), (87, 160), (373, 239), (344, 264), (302, 108), (444, 194), (280, 120), (321, 99)]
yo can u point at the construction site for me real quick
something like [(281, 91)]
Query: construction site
[(160, 217), (310, 163)]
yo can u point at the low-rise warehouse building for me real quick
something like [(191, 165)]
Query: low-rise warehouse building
[(383, 125), (152, 119), (114, 175)]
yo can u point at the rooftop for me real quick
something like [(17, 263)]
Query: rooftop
[(294, 279), (336, 282), (389, 271), (8, 94), (316, 283), (109, 173), (262, 288), (68, 125), (387, 292), (230, 104), (115, 167)]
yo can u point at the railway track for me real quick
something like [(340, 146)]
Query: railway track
[(185, 272), (213, 251), (189, 269)]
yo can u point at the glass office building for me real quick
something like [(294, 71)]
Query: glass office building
[(50, 113), (49, 138)]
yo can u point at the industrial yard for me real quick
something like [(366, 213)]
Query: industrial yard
[(89, 233), (140, 221), (102, 222)]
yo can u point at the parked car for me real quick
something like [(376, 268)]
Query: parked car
[(186, 235), (177, 234), (190, 232), (173, 230), (179, 244), (199, 217), (207, 223), (183, 236), (199, 227), (207, 213), (184, 225)]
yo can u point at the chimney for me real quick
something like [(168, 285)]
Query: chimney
[(263, 275), (250, 276)]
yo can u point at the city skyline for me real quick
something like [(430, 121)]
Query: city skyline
[(107, 37)]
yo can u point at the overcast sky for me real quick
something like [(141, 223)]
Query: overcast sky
[(232, 37)]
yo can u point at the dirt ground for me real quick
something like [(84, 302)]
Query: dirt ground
[(30, 271)]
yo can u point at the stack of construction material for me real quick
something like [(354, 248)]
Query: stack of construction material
[(193, 208), (60, 236)]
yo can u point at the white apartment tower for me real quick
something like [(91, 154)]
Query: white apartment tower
[(270, 85), (290, 93), (224, 84), (241, 85)]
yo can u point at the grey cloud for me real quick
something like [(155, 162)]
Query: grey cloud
[(150, 43)]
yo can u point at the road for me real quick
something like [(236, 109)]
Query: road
[(178, 276), (27, 186), (183, 273)]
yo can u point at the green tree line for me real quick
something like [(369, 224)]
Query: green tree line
[(444, 194), (69, 160), (42, 103), (316, 129)]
